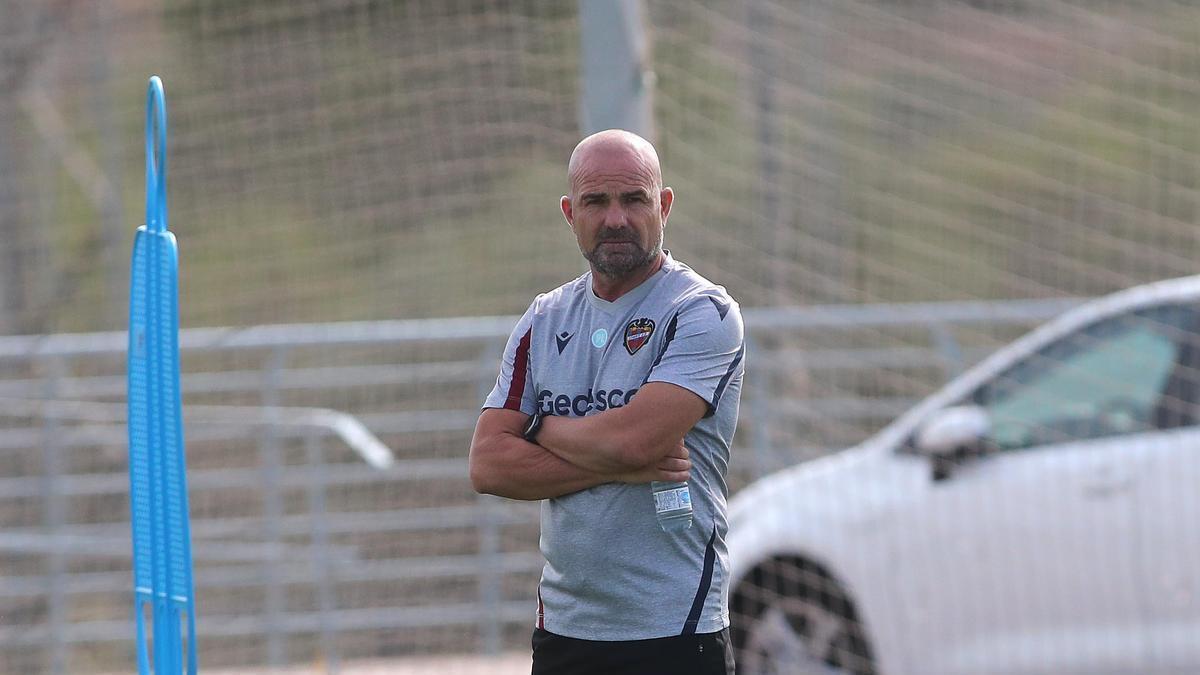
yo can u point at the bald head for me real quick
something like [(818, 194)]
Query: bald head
[(617, 208), (601, 149)]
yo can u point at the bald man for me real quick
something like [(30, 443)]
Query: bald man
[(627, 375)]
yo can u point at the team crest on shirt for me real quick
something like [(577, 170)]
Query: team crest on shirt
[(637, 333)]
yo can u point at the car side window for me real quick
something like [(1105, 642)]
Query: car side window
[(1116, 376)]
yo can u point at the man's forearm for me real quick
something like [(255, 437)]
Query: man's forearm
[(514, 468), (595, 443), (637, 434)]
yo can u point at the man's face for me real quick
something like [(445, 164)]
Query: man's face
[(617, 209)]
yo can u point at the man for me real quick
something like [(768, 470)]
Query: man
[(629, 374)]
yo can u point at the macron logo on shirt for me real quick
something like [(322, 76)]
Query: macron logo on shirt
[(563, 338)]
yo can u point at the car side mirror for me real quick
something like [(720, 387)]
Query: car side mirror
[(949, 435)]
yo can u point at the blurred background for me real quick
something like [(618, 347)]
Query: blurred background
[(365, 194)]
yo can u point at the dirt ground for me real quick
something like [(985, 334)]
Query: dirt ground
[(502, 664)]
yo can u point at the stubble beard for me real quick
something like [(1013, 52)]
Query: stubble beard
[(618, 265)]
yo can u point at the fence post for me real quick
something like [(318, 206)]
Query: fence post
[(321, 564), (272, 473), (948, 348), (614, 55), (53, 519), (759, 402)]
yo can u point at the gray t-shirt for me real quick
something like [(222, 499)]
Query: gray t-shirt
[(611, 572)]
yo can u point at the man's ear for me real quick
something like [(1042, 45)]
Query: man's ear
[(565, 204), (666, 197)]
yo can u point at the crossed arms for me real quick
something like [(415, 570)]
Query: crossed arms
[(635, 443)]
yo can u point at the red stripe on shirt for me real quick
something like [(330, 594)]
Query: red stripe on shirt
[(516, 388), (541, 615)]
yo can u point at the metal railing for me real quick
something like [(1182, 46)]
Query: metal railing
[(357, 487)]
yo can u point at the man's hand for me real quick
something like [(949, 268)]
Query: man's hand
[(674, 468)]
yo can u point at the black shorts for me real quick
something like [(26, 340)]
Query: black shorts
[(703, 654)]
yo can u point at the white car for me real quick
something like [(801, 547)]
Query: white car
[(1039, 514)]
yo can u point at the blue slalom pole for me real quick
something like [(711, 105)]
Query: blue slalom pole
[(162, 549)]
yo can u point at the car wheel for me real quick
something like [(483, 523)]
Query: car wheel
[(798, 620)]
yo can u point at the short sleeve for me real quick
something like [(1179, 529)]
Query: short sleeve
[(514, 388), (703, 348)]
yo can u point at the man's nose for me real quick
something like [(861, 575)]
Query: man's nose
[(614, 216)]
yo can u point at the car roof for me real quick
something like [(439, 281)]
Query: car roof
[(1146, 295)]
